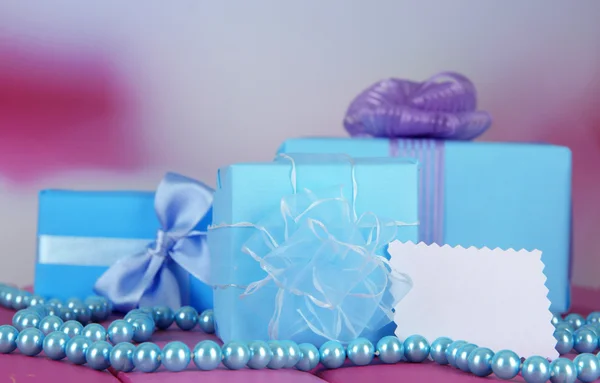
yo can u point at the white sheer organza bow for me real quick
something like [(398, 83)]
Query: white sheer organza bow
[(328, 267)]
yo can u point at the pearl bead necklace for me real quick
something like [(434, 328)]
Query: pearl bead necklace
[(58, 330)]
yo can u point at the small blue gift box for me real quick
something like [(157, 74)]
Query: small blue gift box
[(298, 246), (82, 233), (506, 195)]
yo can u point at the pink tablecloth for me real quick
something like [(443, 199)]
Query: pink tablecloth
[(17, 368)]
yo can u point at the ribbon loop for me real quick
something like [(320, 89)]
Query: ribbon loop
[(150, 278), (444, 106)]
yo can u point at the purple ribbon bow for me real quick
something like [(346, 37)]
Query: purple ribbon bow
[(442, 107), (154, 276)]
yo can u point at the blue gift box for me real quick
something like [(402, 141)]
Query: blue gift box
[(82, 233), (507, 195), (248, 192)]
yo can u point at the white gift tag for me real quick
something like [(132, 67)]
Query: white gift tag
[(492, 298)]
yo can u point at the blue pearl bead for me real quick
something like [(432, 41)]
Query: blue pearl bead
[(21, 300), (293, 353), (480, 361), (593, 318), (575, 320), (143, 328), (564, 341), (360, 351), (592, 327), (52, 311), (536, 370), (55, 302), (28, 319), (94, 332), (279, 357), (36, 300), (136, 313), (76, 349), (8, 339), (587, 367), (207, 355), (8, 297), (30, 341), (50, 324), (235, 355), (98, 355), (40, 309), (55, 345), (176, 356), (17, 317), (72, 328), (333, 354), (452, 350), (564, 326), (186, 318), (206, 321), (146, 357), (99, 308), (82, 313), (163, 317), (416, 348), (120, 331), (72, 302), (506, 364), (462, 356), (66, 314), (390, 349), (309, 358), (121, 357), (260, 355), (556, 319), (585, 340), (147, 310), (562, 370), (438, 350)]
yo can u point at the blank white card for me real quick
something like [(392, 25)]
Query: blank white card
[(492, 298)]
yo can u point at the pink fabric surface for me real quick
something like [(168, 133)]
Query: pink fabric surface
[(221, 375), (15, 368), (405, 372)]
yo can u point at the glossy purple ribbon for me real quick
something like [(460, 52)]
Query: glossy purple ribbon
[(444, 107)]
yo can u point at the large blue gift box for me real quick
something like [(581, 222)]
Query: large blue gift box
[(506, 195), (82, 233), (286, 261)]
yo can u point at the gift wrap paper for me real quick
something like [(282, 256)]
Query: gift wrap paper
[(506, 195), (248, 192), (82, 233)]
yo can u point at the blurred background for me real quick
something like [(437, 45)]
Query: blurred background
[(111, 94)]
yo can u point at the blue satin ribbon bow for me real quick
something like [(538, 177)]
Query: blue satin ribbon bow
[(154, 276)]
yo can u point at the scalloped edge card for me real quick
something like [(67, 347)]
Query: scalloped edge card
[(492, 298)]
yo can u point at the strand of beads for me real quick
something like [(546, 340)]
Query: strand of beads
[(113, 348), (92, 309), (575, 333)]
